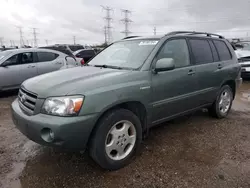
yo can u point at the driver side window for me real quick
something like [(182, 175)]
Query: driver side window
[(176, 49), (12, 60)]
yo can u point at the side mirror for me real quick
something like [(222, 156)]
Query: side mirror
[(164, 64), (70, 60)]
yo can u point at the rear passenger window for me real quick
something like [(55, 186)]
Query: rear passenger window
[(46, 56), (201, 51), (176, 49), (214, 51), (223, 50)]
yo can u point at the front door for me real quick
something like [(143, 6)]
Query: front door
[(174, 91), (10, 74)]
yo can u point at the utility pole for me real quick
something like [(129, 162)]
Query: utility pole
[(21, 36), (35, 36), (11, 43), (46, 41), (154, 30), (74, 39), (107, 28), (105, 35), (126, 21), (27, 42), (1, 41)]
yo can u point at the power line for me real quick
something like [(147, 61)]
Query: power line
[(126, 21), (35, 36), (107, 28)]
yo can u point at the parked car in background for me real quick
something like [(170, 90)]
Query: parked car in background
[(129, 87), (244, 60), (84, 55), (65, 48), (20, 64), (243, 45)]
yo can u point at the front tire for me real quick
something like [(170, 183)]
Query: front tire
[(116, 139), (223, 103)]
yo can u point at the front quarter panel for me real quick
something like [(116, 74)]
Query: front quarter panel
[(135, 87)]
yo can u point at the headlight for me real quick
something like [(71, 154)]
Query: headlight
[(63, 106)]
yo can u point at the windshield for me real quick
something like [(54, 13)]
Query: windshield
[(125, 54), (4, 54)]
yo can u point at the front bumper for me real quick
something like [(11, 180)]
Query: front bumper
[(245, 72), (69, 132)]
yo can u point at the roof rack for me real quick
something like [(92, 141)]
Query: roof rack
[(130, 37), (194, 33)]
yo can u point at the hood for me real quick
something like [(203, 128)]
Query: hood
[(67, 81), (242, 53)]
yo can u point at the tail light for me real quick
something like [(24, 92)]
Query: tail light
[(82, 62)]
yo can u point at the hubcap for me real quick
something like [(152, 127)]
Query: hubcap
[(120, 140), (225, 100)]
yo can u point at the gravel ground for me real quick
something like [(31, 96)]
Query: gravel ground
[(198, 151)]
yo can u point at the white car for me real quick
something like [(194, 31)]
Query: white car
[(19, 65), (244, 60)]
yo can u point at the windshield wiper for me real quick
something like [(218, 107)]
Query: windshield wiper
[(108, 66)]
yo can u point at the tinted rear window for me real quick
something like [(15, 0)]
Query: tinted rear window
[(46, 56), (201, 51), (223, 50), (75, 48), (87, 52), (214, 51)]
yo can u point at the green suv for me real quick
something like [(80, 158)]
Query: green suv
[(129, 87)]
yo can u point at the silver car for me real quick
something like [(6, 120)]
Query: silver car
[(20, 64)]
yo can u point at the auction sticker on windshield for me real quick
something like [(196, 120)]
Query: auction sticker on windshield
[(148, 42)]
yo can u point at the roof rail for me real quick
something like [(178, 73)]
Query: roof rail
[(130, 37), (194, 33)]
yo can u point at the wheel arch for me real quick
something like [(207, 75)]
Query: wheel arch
[(232, 85), (137, 107)]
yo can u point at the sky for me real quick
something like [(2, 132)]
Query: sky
[(57, 21)]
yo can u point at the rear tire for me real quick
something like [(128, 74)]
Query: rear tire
[(223, 103), (116, 139)]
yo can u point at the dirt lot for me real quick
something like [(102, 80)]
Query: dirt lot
[(189, 152)]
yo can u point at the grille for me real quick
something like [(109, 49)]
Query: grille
[(27, 101), (245, 65)]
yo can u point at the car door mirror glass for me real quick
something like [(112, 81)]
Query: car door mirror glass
[(164, 64)]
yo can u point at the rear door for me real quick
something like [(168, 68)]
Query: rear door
[(206, 59), (48, 62), (28, 66)]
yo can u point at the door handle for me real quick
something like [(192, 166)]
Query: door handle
[(59, 63), (31, 66), (191, 72), (219, 66)]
